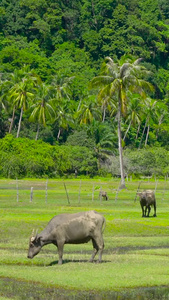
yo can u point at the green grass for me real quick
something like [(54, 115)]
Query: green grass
[(136, 251)]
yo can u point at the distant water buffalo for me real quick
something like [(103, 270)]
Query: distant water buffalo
[(147, 199), (103, 194), (75, 228)]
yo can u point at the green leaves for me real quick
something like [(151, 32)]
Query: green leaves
[(68, 40), (42, 110), (27, 158)]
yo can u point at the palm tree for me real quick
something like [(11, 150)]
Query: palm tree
[(61, 86), (21, 95), (133, 114), (61, 102), (6, 98), (108, 105), (42, 110), (88, 111), (22, 91), (162, 115), (64, 117), (150, 113), (115, 81), (3, 91)]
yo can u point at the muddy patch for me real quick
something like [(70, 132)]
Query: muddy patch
[(15, 289), (124, 250)]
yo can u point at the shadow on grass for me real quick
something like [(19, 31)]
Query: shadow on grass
[(66, 261), (149, 217)]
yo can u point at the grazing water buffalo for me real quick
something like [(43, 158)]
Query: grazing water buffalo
[(103, 194), (147, 199), (75, 228)]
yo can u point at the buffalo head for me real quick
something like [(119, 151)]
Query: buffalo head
[(34, 246)]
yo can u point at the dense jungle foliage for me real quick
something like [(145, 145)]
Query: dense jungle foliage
[(52, 120)]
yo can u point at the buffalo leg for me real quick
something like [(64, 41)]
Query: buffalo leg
[(154, 210), (143, 213), (60, 253), (98, 245), (95, 250), (148, 208)]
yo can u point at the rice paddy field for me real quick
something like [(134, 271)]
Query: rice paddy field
[(136, 255)]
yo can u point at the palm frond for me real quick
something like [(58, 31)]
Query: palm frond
[(115, 86), (111, 67), (124, 68), (138, 61), (100, 81)]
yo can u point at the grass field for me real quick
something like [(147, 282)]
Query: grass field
[(136, 256)]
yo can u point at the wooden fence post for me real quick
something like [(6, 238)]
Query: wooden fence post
[(156, 187), (100, 196), (46, 195), (93, 193), (17, 190), (31, 197), (66, 193), (164, 190), (117, 192), (79, 191)]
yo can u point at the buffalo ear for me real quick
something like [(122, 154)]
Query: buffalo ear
[(35, 240), (39, 240)]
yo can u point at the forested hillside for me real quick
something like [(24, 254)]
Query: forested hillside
[(52, 54)]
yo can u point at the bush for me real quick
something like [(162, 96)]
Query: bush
[(147, 161), (28, 158), (82, 160)]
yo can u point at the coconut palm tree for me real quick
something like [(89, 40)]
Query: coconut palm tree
[(162, 116), (22, 91), (115, 81), (88, 111), (61, 86), (150, 114), (42, 110), (64, 117), (21, 94), (61, 103), (3, 88), (6, 98), (134, 114)]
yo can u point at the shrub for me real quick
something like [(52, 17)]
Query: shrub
[(28, 158), (147, 161)]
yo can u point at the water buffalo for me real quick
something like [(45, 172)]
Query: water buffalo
[(75, 228), (103, 194), (147, 199)]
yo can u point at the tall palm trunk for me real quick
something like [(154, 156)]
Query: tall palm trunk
[(159, 123), (12, 120), (127, 130), (148, 130), (122, 186), (20, 120), (58, 135), (138, 130), (143, 133), (104, 114), (37, 133)]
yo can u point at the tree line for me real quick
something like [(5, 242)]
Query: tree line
[(23, 157), (86, 73)]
